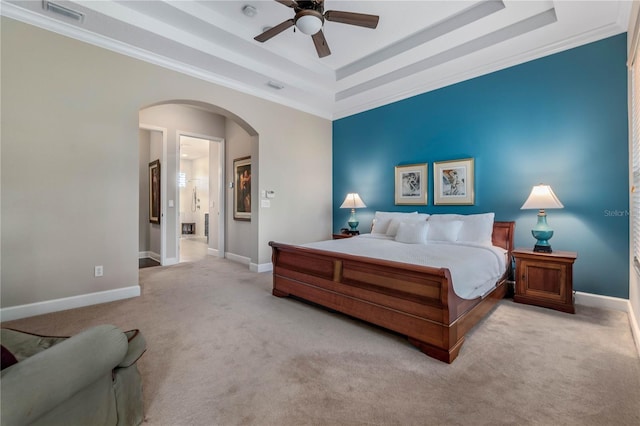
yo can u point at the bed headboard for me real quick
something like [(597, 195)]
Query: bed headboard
[(503, 235)]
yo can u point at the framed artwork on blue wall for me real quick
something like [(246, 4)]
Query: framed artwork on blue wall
[(411, 184), (453, 182)]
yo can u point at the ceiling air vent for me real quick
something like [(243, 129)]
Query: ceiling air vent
[(275, 85), (64, 11)]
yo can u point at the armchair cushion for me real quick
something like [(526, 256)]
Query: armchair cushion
[(71, 380), (137, 347)]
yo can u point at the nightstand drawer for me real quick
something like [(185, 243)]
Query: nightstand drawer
[(545, 279)]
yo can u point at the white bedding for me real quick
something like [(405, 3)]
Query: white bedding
[(474, 268)]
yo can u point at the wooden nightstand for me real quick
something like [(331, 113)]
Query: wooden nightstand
[(545, 279), (339, 236)]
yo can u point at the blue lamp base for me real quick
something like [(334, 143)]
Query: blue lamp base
[(543, 233), (353, 222)]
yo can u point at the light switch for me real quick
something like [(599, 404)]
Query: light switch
[(170, 203), (265, 204)]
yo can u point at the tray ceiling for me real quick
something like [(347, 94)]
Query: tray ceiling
[(418, 46)]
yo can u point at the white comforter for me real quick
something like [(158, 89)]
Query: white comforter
[(474, 268)]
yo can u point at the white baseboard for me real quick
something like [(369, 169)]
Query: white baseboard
[(149, 255), (612, 303), (22, 311), (171, 261), (213, 252), (253, 267), (261, 267), (635, 327), (237, 258), (604, 302)]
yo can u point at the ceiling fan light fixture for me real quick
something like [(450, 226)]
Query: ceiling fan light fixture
[(309, 21)]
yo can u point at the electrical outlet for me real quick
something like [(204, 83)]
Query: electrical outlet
[(98, 271)]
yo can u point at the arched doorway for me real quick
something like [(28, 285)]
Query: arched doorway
[(231, 136)]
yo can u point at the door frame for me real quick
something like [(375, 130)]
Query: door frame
[(221, 194), (163, 190)]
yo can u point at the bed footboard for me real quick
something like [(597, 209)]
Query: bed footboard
[(416, 301)]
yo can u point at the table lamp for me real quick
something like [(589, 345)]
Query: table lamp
[(542, 197), (353, 202)]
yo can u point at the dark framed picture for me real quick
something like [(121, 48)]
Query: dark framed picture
[(154, 192), (242, 188), (411, 184), (453, 182)]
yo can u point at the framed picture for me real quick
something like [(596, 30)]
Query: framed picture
[(242, 188), (453, 182), (154, 192), (411, 184)]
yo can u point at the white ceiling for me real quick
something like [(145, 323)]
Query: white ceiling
[(193, 148), (418, 46)]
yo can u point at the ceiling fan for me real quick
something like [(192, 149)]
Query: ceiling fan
[(309, 19)]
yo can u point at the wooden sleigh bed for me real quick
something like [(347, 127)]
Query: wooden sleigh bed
[(416, 301)]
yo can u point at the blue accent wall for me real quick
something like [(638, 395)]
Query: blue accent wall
[(559, 120)]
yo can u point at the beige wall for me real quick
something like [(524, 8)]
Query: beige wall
[(149, 240), (155, 233), (240, 145), (143, 189), (70, 164)]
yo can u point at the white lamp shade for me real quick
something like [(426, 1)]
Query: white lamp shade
[(352, 201), (309, 23), (542, 197)]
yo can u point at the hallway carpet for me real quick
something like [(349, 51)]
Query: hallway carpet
[(223, 351)]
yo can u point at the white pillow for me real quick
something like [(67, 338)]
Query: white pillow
[(381, 220), (412, 232), (476, 228), (392, 229), (444, 230)]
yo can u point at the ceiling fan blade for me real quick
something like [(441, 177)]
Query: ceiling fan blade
[(272, 32), (288, 3), (351, 18), (321, 44)]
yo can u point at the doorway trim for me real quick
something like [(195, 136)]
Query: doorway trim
[(221, 193), (163, 194)]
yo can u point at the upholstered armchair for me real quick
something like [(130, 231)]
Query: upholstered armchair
[(87, 379)]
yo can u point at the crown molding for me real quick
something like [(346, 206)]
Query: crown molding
[(28, 17), (342, 108)]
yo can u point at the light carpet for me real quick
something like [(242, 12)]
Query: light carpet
[(223, 351)]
